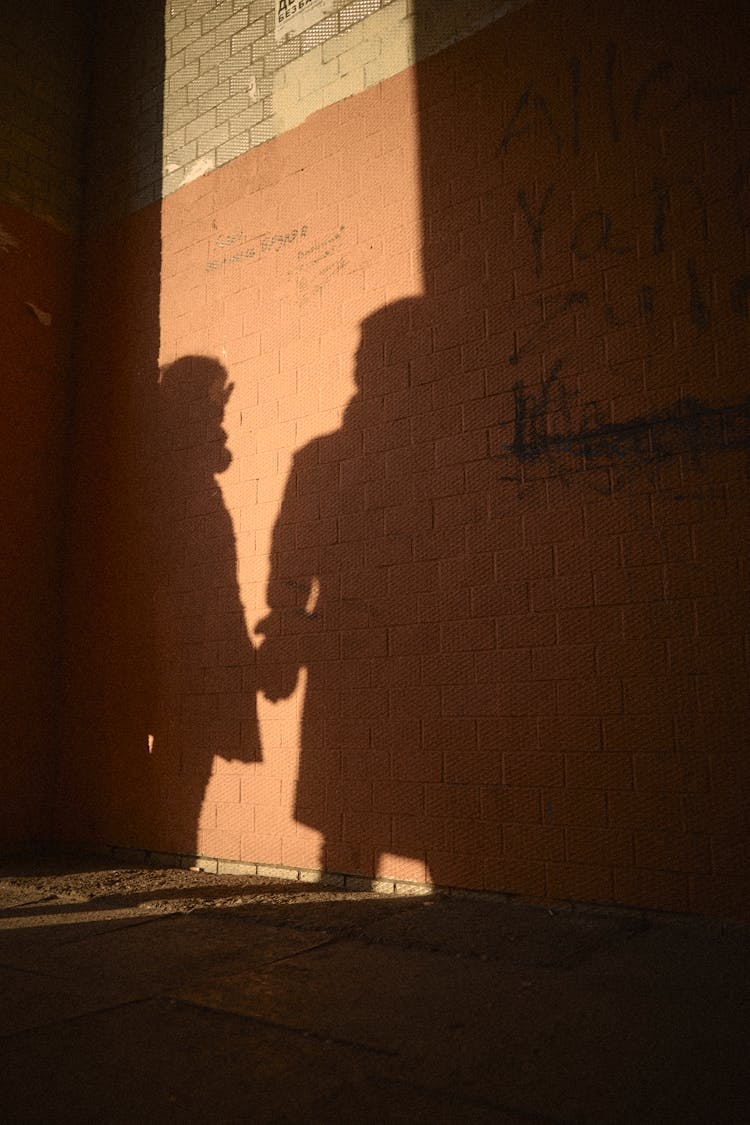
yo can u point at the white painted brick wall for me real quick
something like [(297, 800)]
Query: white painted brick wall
[(274, 86)]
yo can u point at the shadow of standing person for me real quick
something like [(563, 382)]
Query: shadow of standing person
[(202, 702), (356, 595)]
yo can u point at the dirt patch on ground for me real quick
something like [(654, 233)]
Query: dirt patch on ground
[(32, 880), (57, 889)]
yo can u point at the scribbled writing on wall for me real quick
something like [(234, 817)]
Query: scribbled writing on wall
[(656, 95), (318, 263), (642, 307), (312, 260), (676, 212), (552, 428), (596, 232), (654, 246), (230, 249)]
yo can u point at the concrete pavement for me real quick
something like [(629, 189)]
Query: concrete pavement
[(136, 995)]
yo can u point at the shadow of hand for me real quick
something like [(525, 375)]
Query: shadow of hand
[(276, 672)]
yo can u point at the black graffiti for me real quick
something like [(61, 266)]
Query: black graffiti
[(321, 245), (593, 232), (539, 105), (660, 92), (534, 223), (263, 244), (658, 74), (550, 426), (644, 306)]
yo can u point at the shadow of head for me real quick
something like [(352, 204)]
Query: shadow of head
[(194, 391), (386, 346)]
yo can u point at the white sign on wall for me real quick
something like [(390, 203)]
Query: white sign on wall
[(294, 16)]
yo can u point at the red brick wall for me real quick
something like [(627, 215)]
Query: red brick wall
[(35, 282), (451, 429), (109, 616), (43, 64)]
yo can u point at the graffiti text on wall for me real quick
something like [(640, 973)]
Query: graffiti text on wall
[(658, 94), (651, 237), (230, 249), (551, 427)]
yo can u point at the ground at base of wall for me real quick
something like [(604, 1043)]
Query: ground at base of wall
[(152, 994)]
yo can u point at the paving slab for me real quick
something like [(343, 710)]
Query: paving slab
[(170, 996), (135, 961), (526, 1041), (667, 953), (34, 999), (161, 1061), (513, 932), (542, 1041)]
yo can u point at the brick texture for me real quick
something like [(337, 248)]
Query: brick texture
[(36, 274), (43, 68), (184, 89), (43, 60), (427, 426)]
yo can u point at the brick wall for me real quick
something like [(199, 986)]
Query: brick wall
[(222, 77), (43, 61), (108, 600), (123, 156), (42, 58), (422, 553)]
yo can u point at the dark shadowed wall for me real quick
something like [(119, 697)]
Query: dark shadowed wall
[(43, 92)]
